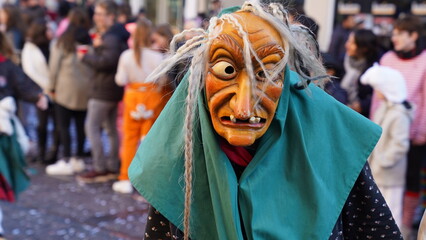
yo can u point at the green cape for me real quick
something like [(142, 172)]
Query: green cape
[(295, 186), (12, 163)]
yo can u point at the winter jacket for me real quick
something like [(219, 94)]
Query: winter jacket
[(70, 79), (389, 159), (130, 72), (104, 62), (35, 66), (337, 45), (14, 82)]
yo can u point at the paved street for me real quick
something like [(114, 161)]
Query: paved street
[(56, 208)]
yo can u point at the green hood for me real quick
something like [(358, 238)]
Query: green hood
[(295, 186)]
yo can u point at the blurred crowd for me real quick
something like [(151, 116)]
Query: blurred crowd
[(80, 58), (92, 63), (74, 72), (388, 85)]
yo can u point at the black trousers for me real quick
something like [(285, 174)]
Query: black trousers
[(64, 117), (416, 161), (42, 131)]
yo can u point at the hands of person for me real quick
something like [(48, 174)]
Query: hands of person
[(43, 102), (97, 40)]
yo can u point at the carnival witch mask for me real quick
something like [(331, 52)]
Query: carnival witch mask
[(242, 101), (237, 69)]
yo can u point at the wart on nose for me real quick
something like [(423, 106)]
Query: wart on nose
[(242, 105), (242, 114)]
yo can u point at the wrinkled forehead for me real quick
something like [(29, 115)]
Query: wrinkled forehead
[(260, 32)]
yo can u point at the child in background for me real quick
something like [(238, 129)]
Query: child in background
[(389, 159)]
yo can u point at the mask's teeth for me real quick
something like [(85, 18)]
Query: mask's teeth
[(257, 120), (233, 119), (252, 120)]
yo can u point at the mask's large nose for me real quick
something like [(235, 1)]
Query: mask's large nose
[(242, 101)]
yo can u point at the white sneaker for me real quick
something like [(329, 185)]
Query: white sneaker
[(123, 186), (77, 164), (60, 168)]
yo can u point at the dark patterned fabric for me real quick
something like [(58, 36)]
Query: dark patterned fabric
[(364, 216), (159, 228)]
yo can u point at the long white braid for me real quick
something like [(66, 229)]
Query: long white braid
[(195, 84)]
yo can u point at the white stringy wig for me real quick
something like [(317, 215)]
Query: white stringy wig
[(300, 52)]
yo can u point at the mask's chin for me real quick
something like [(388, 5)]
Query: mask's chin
[(237, 132), (240, 138)]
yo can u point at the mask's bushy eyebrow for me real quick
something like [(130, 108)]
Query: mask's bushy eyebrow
[(228, 43), (269, 49)]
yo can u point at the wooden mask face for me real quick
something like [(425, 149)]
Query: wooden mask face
[(241, 111)]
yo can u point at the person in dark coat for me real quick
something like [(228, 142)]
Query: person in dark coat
[(339, 37), (333, 87), (109, 42)]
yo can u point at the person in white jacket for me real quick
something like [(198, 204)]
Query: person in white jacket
[(143, 100), (389, 159), (34, 57)]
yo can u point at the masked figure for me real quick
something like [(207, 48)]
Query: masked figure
[(247, 148)]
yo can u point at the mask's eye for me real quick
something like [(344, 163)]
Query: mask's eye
[(261, 75), (224, 70), (269, 69)]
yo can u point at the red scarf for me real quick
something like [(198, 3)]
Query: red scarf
[(2, 58), (6, 192), (238, 155)]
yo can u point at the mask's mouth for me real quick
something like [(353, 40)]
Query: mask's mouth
[(253, 122)]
